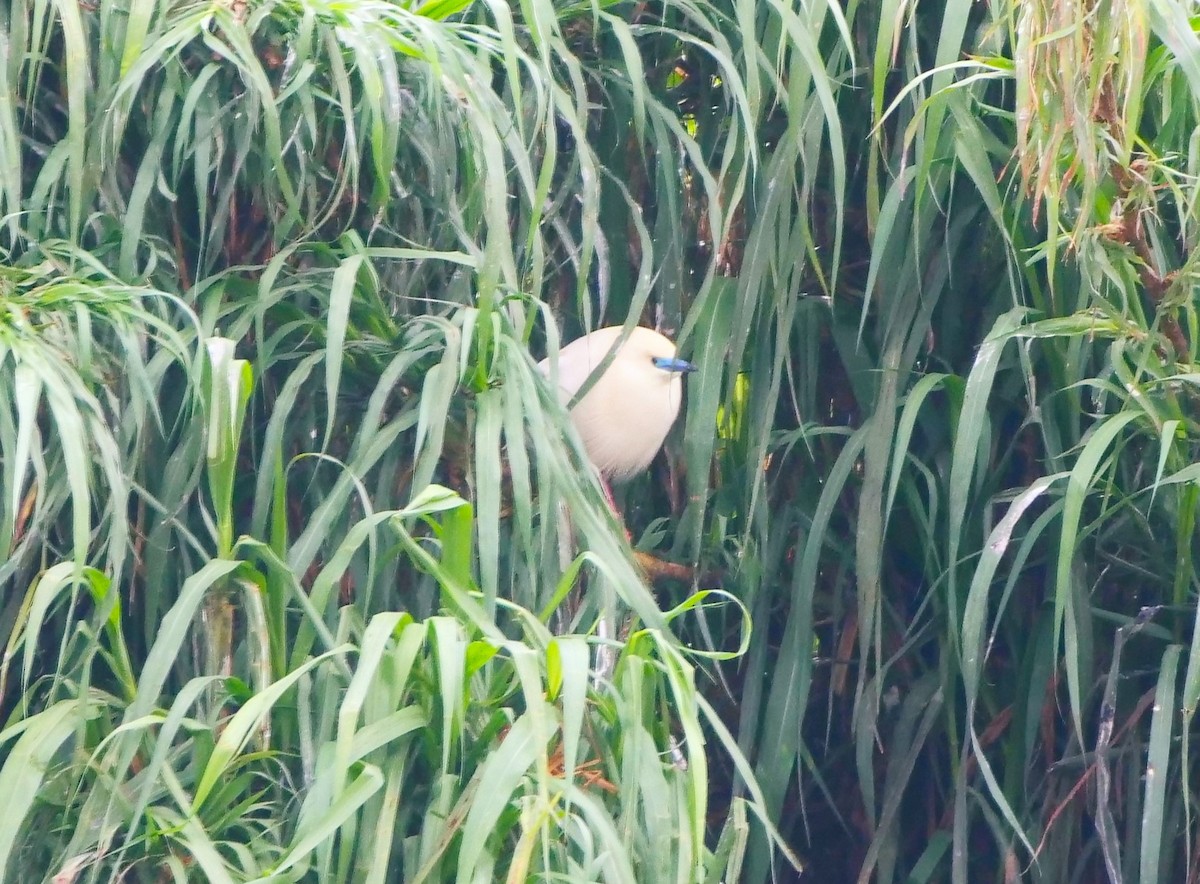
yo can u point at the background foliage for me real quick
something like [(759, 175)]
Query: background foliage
[(286, 584)]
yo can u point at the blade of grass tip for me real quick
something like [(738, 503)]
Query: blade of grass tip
[(970, 149), (488, 484), (341, 295), (1188, 474), (245, 56), (371, 649), (976, 608), (870, 519), (137, 26), (383, 845), (70, 425), (27, 390), (1158, 766), (710, 353), (995, 789), (457, 551), (273, 444), (521, 857), (518, 374), (1185, 529), (408, 647), (10, 139), (47, 589), (904, 429), (75, 53), (149, 173), (971, 423), (437, 392), (1166, 443), (387, 730), (380, 404), (575, 668), (891, 227), (450, 646), (681, 682), (44, 186), (527, 663), (442, 824), (107, 600), (1078, 485), (663, 835), (954, 20)]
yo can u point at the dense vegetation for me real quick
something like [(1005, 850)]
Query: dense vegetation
[(300, 570)]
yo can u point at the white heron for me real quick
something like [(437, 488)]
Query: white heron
[(625, 415)]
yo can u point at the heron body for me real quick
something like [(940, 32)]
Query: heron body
[(624, 417)]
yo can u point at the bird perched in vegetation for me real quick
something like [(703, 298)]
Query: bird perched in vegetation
[(624, 417)]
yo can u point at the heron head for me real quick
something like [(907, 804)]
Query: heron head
[(658, 353), (624, 416)]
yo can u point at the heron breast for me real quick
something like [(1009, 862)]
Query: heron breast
[(624, 421)]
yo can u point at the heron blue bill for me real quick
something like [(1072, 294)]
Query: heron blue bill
[(673, 363)]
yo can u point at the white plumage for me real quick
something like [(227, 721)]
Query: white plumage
[(625, 416)]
